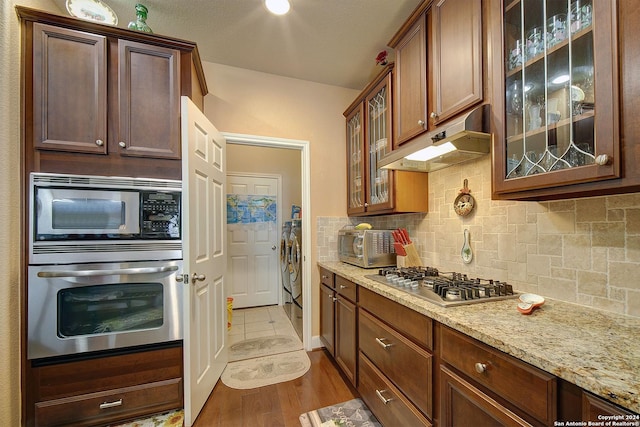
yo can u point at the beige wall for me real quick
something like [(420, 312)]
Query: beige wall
[(10, 212), (253, 103)]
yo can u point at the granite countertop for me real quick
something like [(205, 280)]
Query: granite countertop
[(595, 350)]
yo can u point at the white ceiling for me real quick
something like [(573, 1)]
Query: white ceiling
[(326, 41)]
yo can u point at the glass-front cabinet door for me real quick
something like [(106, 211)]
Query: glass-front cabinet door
[(370, 188), (355, 161), (560, 88), (378, 144)]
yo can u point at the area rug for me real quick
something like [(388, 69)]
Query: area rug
[(353, 413), (266, 370), (168, 419), (263, 346)]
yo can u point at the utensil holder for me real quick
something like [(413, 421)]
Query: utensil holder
[(411, 259)]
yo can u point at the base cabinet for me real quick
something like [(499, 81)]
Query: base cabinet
[(384, 399), (106, 390), (327, 310), (517, 386), (461, 402)]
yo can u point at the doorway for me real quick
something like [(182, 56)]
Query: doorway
[(302, 147)]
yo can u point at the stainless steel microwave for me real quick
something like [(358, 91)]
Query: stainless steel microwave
[(87, 218), (366, 248)]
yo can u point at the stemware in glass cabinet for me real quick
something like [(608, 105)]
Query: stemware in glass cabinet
[(377, 134), (549, 81), (355, 161)]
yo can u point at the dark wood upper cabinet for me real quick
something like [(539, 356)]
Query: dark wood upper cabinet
[(149, 100), (455, 58), (92, 89), (564, 125), (410, 85), (372, 190), (439, 66), (69, 90)]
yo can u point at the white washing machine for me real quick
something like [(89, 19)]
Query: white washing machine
[(295, 277), (285, 259)]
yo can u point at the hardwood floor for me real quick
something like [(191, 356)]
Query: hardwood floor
[(279, 404)]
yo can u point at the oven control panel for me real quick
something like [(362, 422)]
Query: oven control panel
[(160, 214)]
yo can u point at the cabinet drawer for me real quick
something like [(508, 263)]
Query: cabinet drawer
[(112, 405), (346, 288), (462, 402), (327, 278), (408, 366), (528, 388), (386, 402), (416, 326)]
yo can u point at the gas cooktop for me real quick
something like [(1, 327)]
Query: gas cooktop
[(446, 289)]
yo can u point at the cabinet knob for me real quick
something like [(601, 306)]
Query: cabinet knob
[(433, 115), (99, 142), (421, 122), (122, 144), (603, 159), (481, 367)]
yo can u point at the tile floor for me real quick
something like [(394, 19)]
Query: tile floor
[(259, 322)]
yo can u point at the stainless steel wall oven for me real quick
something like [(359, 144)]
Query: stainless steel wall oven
[(81, 308), (104, 257)]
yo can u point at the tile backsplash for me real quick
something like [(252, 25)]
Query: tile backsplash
[(585, 251)]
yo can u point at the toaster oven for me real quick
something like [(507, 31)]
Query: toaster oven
[(366, 248)]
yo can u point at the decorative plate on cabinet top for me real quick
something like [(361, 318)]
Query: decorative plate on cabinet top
[(92, 10)]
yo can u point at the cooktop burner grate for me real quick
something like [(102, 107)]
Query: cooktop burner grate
[(445, 289)]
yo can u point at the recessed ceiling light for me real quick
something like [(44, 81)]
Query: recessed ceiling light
[(277, 7)]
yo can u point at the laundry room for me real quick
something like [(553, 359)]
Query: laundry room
[(271, 276)]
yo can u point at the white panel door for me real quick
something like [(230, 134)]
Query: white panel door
[(204, 218), (253, 265)]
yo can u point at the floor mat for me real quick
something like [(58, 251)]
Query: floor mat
[(263, 346), (266, 370), (168, 419), (353, 413)]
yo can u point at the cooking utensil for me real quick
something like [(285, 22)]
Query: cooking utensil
[(464, 203), (466, 253)]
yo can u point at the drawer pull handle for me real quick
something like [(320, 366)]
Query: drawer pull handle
[(481, 367), (343, 287), (107, 405), (382, 343), (384, 399)]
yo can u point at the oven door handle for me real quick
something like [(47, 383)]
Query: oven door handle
[(89, 273)]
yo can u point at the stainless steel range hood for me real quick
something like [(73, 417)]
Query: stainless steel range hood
[(459, 140)]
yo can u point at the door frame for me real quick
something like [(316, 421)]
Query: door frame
[(279, 214), (305, 159)]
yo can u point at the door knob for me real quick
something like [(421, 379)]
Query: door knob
[(197, 277), (273, 248)]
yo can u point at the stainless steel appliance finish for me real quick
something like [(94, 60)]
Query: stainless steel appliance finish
[(448, 289), (84, 218), (459, 140), (366, 248), (80, 308)]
